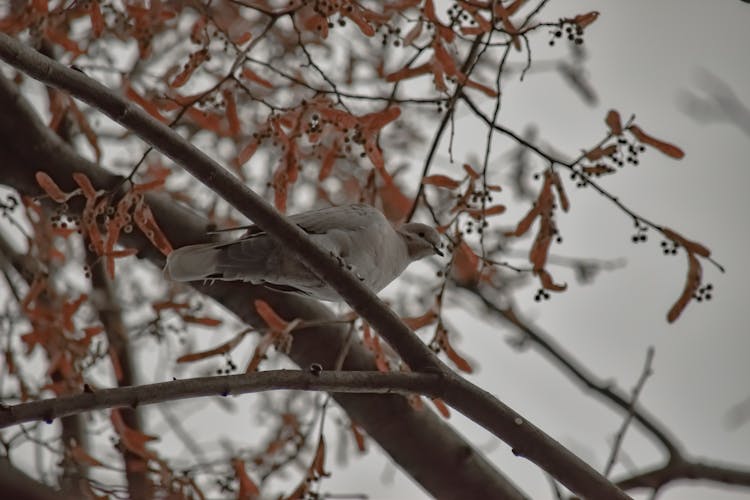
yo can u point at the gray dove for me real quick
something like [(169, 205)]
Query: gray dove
[(358, 235)]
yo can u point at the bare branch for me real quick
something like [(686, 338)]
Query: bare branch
[(620, 436), (229, 385), (678, 470)]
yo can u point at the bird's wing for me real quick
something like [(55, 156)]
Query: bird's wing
[(344, 218)]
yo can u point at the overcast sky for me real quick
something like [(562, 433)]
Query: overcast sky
[(645, 59)]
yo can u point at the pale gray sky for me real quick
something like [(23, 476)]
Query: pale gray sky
[(643, 56)]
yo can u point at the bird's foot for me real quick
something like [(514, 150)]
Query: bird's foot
[(339, 259), (347, 266)]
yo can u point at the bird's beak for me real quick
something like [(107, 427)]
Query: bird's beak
[(438, 251)]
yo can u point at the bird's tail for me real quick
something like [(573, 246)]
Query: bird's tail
[(193, 262)]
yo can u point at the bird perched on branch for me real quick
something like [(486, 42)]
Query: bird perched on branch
[(358, 235)]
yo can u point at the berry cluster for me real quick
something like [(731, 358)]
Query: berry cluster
[(580, 178), (669, 247), (480, 225), (633, 150), (475, 200), (640, 232), (459, 16), (541, 294), (704, 293), (389, 33), (229, 368), (572, 31)]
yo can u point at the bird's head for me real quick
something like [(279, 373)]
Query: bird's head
[(421, 240)]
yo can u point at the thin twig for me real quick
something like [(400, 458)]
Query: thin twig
[(620, 436)]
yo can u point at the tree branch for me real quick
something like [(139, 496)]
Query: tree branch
[(578, 372), (676, 470), (540, 448), (363, 382)]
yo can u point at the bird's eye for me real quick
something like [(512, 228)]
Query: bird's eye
[(421, 234)]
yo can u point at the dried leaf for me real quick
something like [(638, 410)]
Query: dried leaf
[(373, 122), (213, 122), (395, 203), (231, 111), (317, 468), (247, 152), (540, 248), (144, 219), (413, 34), (269, 316), (560, 188), (147, 105), (473, 174), (417, 322), (149, 186), (664, 147), (168, 304), (85, 184), (600, 169), (69, 308), (114, 359), (441, 181), (317, 24), (442, 339), (504, 14), (692, 283), (465, 267), (259, 354), (548, 284), (583, 20), (614, 123), (356, 15), (133, 440), (372, 342), (248, 489), (97, 20), (194, 61), (689, 245), (252, 76), (81, 457), (600, 152), (479, 213), (329, 159), (88, 132), (359, 437), (442, 408), (488, 91), (407, 72), (525, 223), (444, 58), (50, 187), (242, 38), (201, 320)]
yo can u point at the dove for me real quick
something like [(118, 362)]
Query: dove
[(358, 235)]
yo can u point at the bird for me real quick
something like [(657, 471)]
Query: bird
[(358, 235)]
